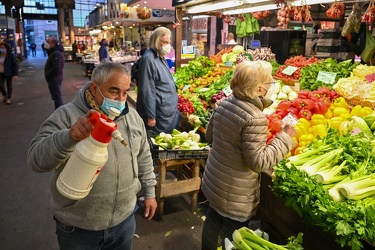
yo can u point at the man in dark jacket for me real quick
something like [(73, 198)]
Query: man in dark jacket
[(103, 52), (53, 69)]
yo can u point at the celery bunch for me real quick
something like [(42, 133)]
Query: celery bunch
[(246, 239)]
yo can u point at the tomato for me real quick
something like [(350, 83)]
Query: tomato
[(276, 125)]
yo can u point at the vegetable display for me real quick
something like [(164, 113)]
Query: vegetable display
[(179, 140), (334, 166), (309, 73)]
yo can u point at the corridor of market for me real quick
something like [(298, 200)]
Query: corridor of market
[(26, 220)]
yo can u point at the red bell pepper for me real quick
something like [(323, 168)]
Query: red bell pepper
[(293, 110), (325, 100), (320, 108), (333, 95), (303, 104), (305, 113), (303, 94), (281, 112), (325, 91), (276, 125), (315, 95), (284, 105)]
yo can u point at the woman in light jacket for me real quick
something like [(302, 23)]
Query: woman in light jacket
[(237, 131)]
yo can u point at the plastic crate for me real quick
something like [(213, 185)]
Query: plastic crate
[(159, 153)]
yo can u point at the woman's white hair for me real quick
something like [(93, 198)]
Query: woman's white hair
[(248, 76)]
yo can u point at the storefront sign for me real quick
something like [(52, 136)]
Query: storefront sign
[(199, 25)]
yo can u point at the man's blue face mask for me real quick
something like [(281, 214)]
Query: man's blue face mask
[(110, 103)]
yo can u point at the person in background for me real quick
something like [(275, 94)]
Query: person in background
[(44, 49), (53, 69), (230, 38), (74, 50), (8, 71), (104, 219), (157, 98), (103, 52), (33, 49), (238, 131), (84, 47)]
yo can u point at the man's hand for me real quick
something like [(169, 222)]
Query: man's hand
[(151, 122), (82, 127), (150, 207)]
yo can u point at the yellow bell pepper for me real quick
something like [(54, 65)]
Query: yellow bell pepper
[(368, 110), (357, 111), (319, 130), (317, 119), (338, 111), (301, 130), (328, 114), (340, 102), (305, 139), (304, 122), (298, 150), (335, 122)]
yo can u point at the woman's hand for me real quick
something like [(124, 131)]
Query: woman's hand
[(289, 129)]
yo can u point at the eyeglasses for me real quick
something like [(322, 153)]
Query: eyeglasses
[(268, 83)]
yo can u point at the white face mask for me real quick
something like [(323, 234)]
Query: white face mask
[(166, 49), (270, 91), (46, 46)]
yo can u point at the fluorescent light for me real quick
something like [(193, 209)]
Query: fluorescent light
[(214, 6), (199, 16), (310, 2), (251, 9), (257, 1)]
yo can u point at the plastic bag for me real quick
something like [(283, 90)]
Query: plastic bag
[(353, 22), (369, 50)]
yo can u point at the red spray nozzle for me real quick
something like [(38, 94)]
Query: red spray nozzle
[(103, 127)]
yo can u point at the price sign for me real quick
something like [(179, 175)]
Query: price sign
[(326, 77), (291, 119), (289, 70), (370, 78), (227, 91), (186, 87)]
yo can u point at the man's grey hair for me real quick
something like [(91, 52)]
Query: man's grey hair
[(103, 72), (156, 35)]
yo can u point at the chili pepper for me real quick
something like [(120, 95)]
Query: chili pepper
[(305, 113), (317, 119), (340, 102), (304, 94), (320, 108), (319, 130)]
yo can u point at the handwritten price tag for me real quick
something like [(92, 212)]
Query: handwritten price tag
[(291, 119), (289, 70), (370, 78), (326, 77), (227, 91), (186, 87)]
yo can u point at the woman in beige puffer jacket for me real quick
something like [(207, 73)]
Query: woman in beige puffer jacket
[(238, 131)]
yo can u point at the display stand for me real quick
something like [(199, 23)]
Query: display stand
[(185, 184)]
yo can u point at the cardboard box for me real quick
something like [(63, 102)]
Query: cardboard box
[(345, 55), (325, 54)]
